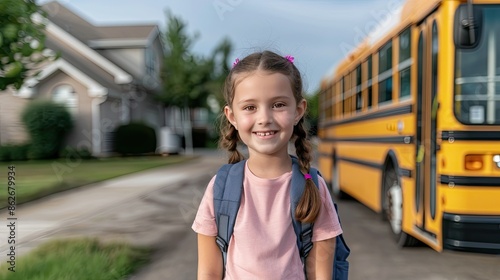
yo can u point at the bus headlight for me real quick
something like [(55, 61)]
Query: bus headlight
[(496, 160)]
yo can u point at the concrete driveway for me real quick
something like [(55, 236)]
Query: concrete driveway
[(152, 208)]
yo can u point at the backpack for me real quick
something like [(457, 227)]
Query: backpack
[(228, 188)]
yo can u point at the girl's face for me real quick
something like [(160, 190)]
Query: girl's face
[(264, 112)]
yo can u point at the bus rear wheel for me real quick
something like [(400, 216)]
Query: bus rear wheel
[(393, 208), (335, 183)]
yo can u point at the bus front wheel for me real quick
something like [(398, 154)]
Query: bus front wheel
[(393, 208)]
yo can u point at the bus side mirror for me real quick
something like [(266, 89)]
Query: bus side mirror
[(467, 29)]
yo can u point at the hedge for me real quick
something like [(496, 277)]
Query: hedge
[(47, 124), (134, 139)]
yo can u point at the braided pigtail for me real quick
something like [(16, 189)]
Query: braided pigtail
[(229, 141), (310, 203)]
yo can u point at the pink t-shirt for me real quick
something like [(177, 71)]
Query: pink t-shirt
[(263, 245)]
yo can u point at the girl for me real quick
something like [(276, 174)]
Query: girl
[(265, 110)]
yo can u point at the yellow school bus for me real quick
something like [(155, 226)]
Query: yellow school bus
[(410, 124)]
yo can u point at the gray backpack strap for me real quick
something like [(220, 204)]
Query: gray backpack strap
[(302, 230), (228, 187), (342, 251)]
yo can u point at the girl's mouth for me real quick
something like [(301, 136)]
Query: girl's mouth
[(265, 133)]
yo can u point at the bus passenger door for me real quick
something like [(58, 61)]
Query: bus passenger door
[(426, 117)]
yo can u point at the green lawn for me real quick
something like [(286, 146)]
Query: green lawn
[(35, 179), (77, 259)]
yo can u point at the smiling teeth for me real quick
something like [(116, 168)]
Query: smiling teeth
[(264, 133)]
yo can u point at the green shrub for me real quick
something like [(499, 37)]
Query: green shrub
[(134, 138), (47, 124), (14, 152), (4, 153), (19, 152)]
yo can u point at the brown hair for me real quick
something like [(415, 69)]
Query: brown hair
[(310, 202)]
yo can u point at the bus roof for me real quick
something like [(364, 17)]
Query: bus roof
[(399, 18)]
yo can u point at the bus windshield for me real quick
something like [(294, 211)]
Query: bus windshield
[(477, 74)]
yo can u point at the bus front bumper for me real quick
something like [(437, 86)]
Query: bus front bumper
[(471, 233)]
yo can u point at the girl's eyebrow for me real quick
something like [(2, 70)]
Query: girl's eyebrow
[(249, 100)]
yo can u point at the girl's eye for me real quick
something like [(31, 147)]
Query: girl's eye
[(249, 108), (279, 105)]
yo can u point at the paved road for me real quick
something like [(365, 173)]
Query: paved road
[(177, 246), (374, 255), (156, 208)]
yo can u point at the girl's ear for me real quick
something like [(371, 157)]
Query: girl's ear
[(230, 116), (301, 110)]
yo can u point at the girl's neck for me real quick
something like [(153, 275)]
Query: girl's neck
[(264, 166)]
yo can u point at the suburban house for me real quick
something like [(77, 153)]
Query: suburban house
[(106, 76)]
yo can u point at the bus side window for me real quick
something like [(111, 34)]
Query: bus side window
[(385, 73), (342, 94), (353, 92), (405, 64), (347, 91), (359, 98), (369, 82), (332, 101)]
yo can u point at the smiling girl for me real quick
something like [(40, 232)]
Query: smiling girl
[(265, 110)]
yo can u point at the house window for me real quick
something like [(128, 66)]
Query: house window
[(151, 64), (66, 96)]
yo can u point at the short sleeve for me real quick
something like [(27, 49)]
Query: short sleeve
[(204, 222), (327, 224)]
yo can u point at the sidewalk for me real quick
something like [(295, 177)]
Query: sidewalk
[(47, 218)]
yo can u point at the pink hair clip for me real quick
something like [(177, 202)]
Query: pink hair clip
[(290, 58), (236, 61), (307, 176)]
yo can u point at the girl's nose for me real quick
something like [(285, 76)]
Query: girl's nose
[(265, 116)]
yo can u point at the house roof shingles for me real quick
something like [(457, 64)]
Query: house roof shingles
[(87, 33)]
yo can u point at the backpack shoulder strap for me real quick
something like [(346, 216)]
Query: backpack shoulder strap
[(342, 252), (302, 230), (228, 187)]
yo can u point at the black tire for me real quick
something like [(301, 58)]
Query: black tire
[(335, 183), (392, 208)]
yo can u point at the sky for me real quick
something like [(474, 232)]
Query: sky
[(318, 33)]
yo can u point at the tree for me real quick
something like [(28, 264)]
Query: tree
[(184, 74), (189, 79), (313, 112), (220, 58), (21, 41)]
